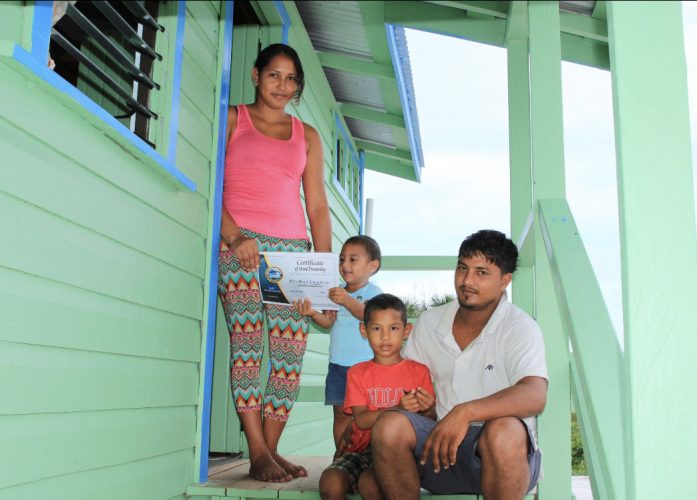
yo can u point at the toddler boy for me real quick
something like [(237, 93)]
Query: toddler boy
[(358, 261)]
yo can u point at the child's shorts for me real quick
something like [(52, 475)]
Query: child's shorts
[(353, 464), (335, 388)]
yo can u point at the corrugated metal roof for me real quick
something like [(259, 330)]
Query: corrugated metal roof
[(370, 132), (578, 6), (337, 27), (352, 88)]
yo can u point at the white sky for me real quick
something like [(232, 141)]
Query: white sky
[(461, 94)]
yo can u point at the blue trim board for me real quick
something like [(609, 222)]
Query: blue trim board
[(217, 213), (397, 43), (41, 29), (347, 140), (285, 18), (40, 69), (361, 191), (176, 81), (344, 196)]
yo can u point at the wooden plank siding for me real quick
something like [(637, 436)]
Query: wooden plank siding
[(102, 271), (102, 264)]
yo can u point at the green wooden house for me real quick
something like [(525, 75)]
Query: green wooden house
[(113, 371)]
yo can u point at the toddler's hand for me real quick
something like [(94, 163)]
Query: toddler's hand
[(331, 314), (409, 402), (303, 306), (338, 295)]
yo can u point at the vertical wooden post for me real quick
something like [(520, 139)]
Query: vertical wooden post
[(658, 246), (519, 148), (546, 128)]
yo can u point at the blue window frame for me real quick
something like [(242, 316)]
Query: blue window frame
[(347, 169), (35, 62)]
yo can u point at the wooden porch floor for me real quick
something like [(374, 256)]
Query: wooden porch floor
[(231, 480)]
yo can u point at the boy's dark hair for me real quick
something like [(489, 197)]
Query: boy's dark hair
[(383, 302), (494, 246), (370, 246), (275, 49)]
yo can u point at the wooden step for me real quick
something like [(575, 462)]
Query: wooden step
[(232, 480)]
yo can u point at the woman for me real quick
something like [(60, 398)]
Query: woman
[(269, 154)]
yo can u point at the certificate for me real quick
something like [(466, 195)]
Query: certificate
[(286, 276)]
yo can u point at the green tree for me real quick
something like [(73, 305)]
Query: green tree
[(578, 461), (416, 306), (439, 300)]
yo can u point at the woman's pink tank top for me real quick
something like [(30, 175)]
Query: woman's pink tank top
[(262, 179)]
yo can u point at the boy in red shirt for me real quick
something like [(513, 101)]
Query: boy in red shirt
[(387, 381)]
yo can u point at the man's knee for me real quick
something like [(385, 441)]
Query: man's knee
[(333, 483), (392, 430), (504, 438)]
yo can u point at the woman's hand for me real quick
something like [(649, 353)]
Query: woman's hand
[(247, 252), (244, 248)]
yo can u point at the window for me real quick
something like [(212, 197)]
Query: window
[(347, 169), (107, 51), (339, 162)]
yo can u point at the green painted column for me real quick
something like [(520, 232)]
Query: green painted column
[(519, 149), (658, 246), (546, 129)]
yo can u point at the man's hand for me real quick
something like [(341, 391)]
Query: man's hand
[(445, 438), (338, 295)]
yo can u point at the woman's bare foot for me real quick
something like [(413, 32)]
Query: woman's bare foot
[(265, 468), (290, 468)]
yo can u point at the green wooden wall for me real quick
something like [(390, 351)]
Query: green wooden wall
[(101, 288), (102, 282)]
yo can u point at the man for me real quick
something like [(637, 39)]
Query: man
[(486, 357)]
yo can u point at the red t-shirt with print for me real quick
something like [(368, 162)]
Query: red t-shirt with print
[(381, 386)]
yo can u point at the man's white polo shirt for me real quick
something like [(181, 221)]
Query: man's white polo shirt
[(509, 348)]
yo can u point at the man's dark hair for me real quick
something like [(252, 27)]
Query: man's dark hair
[(382, 302), (494, 246), (370, 246)]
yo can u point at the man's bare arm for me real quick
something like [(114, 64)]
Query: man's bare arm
[(526, 398)]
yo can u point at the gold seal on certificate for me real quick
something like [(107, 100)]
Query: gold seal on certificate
[(286, 276)]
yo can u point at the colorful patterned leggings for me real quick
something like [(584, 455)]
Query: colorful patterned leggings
[(244, 314)]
